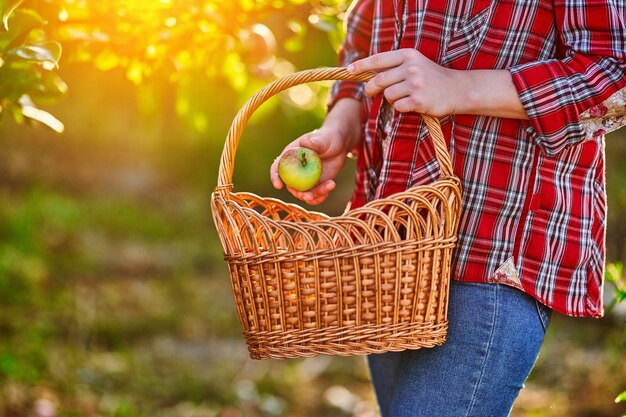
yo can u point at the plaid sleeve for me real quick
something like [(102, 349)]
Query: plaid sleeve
[(555, 92), (355, 46)]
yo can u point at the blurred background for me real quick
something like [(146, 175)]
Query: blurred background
[(114, 298)]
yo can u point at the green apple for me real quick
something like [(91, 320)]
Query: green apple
[(300, 168)]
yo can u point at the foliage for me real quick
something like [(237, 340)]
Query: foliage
[(29, 61), (614, 278), (228, 45)]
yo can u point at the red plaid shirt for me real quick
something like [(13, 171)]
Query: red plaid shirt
[(533, 191)]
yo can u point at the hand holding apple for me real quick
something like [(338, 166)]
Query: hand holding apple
[(323, 143), (339, 134), (300, 168)]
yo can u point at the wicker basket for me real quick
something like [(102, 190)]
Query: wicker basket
[(375, 279)]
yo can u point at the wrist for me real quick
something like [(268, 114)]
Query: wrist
[(345, 118), (466, 97), (487, 93)]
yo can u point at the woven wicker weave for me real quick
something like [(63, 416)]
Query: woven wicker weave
[(372, 280)]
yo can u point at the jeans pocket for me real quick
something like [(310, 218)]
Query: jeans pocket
[(544, 313)]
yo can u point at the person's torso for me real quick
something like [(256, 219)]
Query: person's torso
[(545, 213)]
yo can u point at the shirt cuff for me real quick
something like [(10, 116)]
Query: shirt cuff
[(546, 94)]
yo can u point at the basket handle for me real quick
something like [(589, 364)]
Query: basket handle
[(225, 175)]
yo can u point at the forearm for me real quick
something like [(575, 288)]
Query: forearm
[(487, 93), (345, 117), (411, 82)]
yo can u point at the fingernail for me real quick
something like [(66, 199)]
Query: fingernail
[(351, 68)]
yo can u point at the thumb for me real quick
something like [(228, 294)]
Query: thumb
[(315, 142)]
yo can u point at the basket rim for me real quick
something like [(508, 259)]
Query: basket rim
[(446, 192), (445, 182)]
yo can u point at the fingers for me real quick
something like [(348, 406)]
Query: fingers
[(380, 61), (316, 195), (274, 177), (405, 104), (323, 141), (384, 80), (315, 143), (409, 81)]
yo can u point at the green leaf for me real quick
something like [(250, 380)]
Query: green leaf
[(17, 80), (613, 272), (46, 54), (7, 7), (52, 85), (621, 397), (32, 112), (22, 22)]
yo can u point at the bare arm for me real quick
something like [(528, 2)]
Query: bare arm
[(412, 82), (489, 93)]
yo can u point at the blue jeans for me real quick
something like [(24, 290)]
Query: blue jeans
[(494, 337)]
